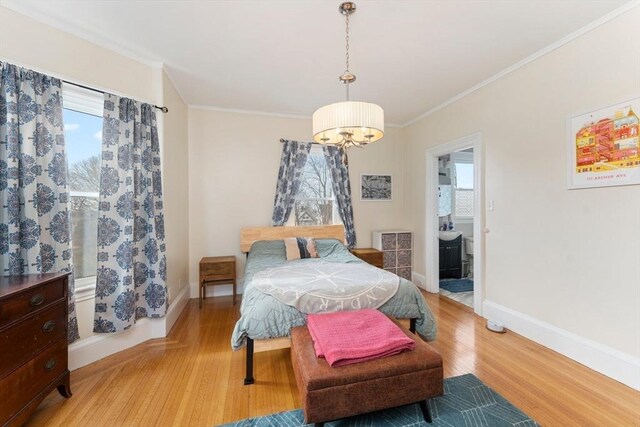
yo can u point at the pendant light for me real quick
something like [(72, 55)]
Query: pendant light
[(350, 123)]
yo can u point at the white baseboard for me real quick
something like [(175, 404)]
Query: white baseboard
[(215, 291), (419, 280), (96, 347), (175, 309), (606, 360), (91, 349)]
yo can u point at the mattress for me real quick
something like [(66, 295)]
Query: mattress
[(263, 317)]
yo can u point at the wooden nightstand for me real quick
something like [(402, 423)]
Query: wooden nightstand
[(370, 255), (217, 270)]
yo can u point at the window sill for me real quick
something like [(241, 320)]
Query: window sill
[(464, 220), (85, 288)]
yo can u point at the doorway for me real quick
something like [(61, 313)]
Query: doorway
[(455, 235)]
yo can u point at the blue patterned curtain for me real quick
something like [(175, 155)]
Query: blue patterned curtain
[(294, 157), (132, 268), (34, 191), (338, 164)]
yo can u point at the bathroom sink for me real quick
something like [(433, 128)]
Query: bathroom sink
[(449, 235)]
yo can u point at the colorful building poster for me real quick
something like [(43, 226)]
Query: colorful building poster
[(604, 147)]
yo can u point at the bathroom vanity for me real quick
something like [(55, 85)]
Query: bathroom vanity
[(450, 256)]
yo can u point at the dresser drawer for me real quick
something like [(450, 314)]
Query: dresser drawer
[(404, 258), (31, 300), (30, 336), (218, 271), (390, 259), (404, 240), (22, 385)]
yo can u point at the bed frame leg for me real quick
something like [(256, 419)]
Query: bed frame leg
[(412, 325), (248, 380)]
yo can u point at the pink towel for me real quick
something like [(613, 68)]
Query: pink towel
[(346, 337)]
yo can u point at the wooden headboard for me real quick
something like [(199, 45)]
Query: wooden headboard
[(248, 235)]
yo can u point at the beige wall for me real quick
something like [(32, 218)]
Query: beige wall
[(29, 43), (233, 167), (566, 257), (175, 181), (382, 157)]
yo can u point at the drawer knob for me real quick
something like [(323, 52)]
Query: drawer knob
[(51, 363), (48, 326), (36, 300)]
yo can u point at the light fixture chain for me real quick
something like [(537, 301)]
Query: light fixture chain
[(347, 40)]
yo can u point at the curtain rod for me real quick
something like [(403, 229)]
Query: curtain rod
[(314, 143), (163, 109)]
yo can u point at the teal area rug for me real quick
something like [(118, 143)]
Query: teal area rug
[(467, 401), (457, 285)]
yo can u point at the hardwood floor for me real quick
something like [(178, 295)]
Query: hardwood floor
[(192, 378)]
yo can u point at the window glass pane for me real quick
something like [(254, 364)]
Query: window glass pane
[(315, 204), (464, 175), (83, 137), (84, 223)]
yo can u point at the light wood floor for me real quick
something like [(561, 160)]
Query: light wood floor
[(192, 378)]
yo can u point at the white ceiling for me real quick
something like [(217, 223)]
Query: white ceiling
[(284, 57)]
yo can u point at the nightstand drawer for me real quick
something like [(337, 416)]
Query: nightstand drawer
[(369, 255), (218, 271)]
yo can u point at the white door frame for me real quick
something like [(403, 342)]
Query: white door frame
[(431, 249)]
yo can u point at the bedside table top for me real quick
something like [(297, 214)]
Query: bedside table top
[(217, 259), (365, 251)]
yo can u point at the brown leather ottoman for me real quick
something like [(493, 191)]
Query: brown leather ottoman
[(333, 393)]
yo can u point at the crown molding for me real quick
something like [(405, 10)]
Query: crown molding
[(248, 112), (550, 48), (90, 36)]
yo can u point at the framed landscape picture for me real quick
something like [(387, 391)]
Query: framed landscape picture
[(375, 187), (604, 147)]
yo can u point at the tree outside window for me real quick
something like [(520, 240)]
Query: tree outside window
[(83, 136), (315, 202)]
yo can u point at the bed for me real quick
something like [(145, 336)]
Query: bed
[(265, 322)]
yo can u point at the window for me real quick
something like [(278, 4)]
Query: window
[(82, 116), (462, 185), (315, 203)]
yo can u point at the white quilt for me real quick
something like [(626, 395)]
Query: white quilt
[(322, 287)]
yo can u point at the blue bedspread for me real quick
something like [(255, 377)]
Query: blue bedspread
[(262, 316)]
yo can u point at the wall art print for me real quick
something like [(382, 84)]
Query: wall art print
[(375, 187), (604, 147)]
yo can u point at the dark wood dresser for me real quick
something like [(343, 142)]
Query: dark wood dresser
[(33, 343)]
